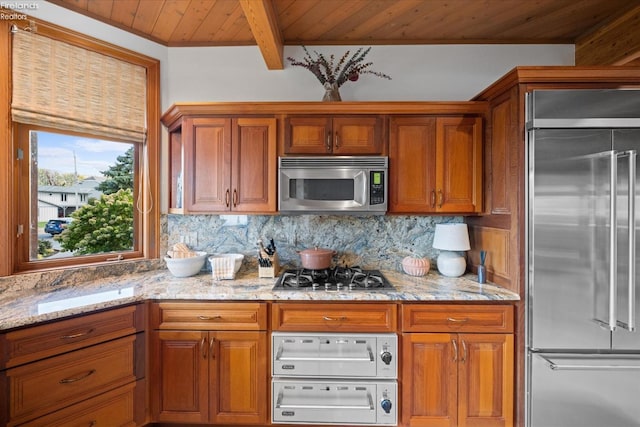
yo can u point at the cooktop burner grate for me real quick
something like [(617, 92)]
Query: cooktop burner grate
[(332, 279)]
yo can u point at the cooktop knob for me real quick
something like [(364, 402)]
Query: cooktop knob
[(386, 357), (386, 405)]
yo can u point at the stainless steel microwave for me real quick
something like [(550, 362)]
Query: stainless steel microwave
[(333, 184)]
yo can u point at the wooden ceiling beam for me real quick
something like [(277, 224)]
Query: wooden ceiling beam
[(617, 43), (262, 20)]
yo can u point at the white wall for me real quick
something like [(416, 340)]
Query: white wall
[(424, 73)]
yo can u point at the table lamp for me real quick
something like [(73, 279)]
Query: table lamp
[(450, 239)]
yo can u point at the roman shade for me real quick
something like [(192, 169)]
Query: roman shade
[(66, 87)]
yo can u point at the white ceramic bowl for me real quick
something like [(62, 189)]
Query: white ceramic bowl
[(185, 267), (237, 258)]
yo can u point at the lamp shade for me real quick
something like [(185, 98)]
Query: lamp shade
[(451, 237)]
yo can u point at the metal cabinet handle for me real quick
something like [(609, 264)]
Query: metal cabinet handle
[(216, 317), (211, 343), (334, 319), (455, 350), (235, 198), (78, 335), (226, 198), (455, 320), (203, 347), (78, 378), (433, 198), (328, 142), (337, 140), (440, 198), (464, 352)]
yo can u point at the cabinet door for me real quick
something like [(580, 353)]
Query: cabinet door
[(307, 135), (253, 170), (485, 380), (239, 378), (429, 377), (207, 151), (412, 152), (180, 372), (459, 164), (357, 135)]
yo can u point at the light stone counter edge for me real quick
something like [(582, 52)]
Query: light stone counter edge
[(23, 308)]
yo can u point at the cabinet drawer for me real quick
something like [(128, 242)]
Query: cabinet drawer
[(37, 342), (114, 408), (209, 316), (41, 387), (457, 318), (320, 317)]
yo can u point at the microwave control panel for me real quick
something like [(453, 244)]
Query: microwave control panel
[(376, 188)]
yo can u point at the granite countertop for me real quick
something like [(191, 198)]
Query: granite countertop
[(27, 307)]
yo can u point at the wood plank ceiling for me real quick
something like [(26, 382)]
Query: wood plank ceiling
[(612, 25)]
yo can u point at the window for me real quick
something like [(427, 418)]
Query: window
[(64, 196), (70, 164)]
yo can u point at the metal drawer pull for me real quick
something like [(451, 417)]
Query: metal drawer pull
[(211, 342), (455, 350), (203, 347), (464, 352), (81, 377), (216, 317), (454, 320), (78, 335), (334, 319)]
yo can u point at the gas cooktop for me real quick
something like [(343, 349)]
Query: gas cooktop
[(332, 279)]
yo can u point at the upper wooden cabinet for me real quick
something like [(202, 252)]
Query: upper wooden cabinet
[(220, 164), (435, 164), (333, 135)]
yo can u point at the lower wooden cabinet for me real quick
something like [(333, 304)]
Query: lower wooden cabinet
[(84, 370), (216, 376), (456, 376), (457, 380), (113, 408)]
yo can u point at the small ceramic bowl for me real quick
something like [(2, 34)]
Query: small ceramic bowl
[(185, 267), (416, 266)]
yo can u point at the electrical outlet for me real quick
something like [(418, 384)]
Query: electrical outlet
[(190, 239)]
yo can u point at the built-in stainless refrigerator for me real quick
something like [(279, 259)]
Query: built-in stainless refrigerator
[(582, 320)]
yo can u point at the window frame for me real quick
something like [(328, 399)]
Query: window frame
[(14, 247)]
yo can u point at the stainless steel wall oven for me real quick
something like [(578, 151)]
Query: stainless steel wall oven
[(333, 379)]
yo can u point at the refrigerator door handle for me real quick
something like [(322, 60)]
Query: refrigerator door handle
[(583, 364), (631, 293), (613, 241)]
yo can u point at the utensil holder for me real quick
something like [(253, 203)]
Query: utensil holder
[(270, 272)]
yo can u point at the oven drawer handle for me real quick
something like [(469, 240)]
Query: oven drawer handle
[(328, 359), (370, 406)]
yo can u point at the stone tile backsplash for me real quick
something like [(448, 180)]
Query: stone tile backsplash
[(373, 242)]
